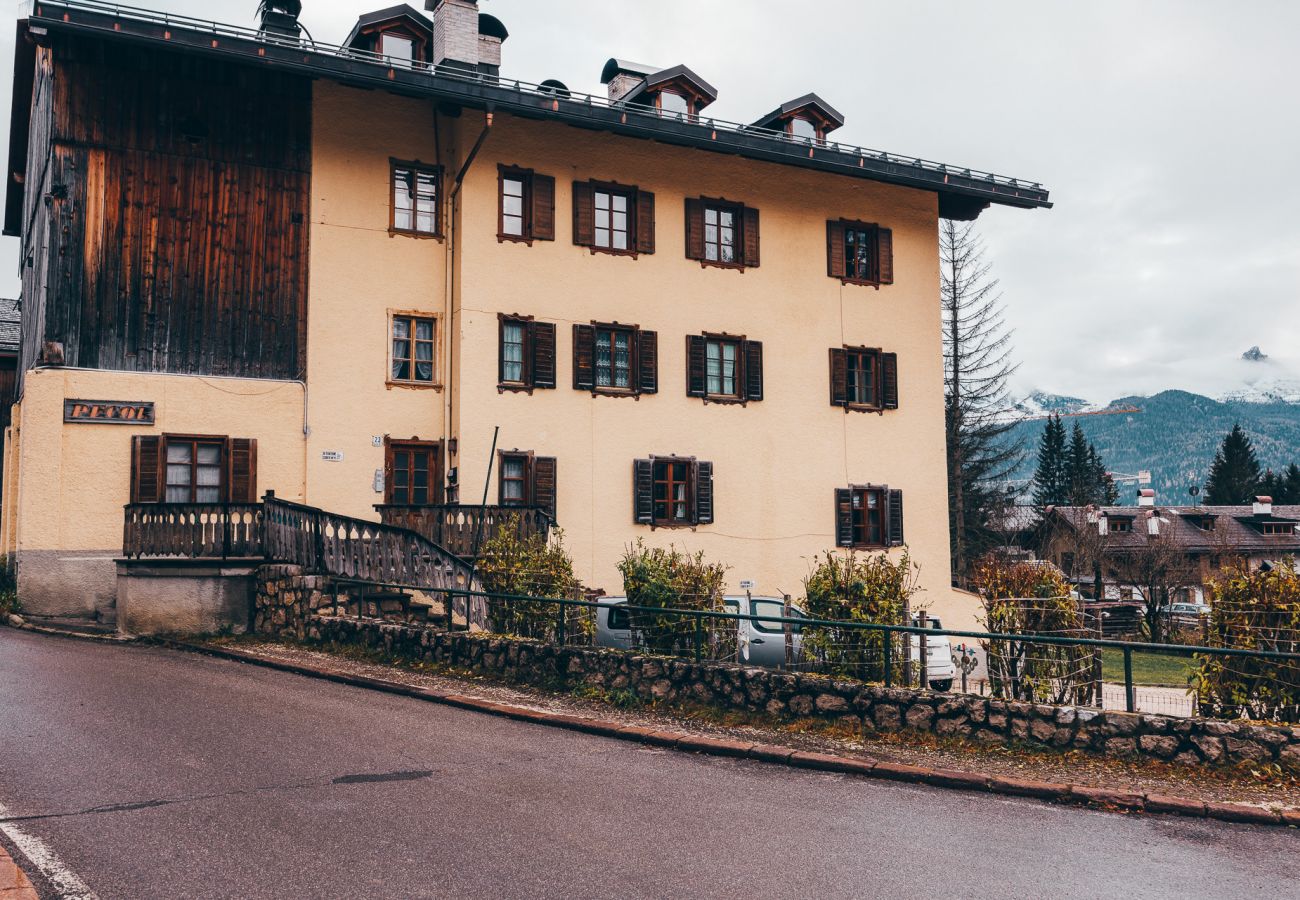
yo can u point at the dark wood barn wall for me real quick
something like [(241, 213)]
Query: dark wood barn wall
[(36, 212), (180, 213)]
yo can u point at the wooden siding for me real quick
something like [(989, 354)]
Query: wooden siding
[(179, 218)]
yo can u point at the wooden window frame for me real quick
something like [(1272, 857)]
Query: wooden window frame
[(749, 366), (692, 473), (885, 370), (882, 258), (633, 359), (630, 192), (526, 481), (1119, 524), (525, 176), (526, 383), (223, 465), (436, 318), (881, 492), (738, 233), (237, 465), (739, 342), (416, 168), (436, 473), (872, 231), (874, 354)]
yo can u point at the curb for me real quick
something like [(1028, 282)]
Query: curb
[(1052, 792), (14, 884), (75, 635)]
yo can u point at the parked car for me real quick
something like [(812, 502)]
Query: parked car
[(763, 643), (1186, 613)]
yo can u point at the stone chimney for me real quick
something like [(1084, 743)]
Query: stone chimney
[(1263, 506), (455, 33), (1146, 497), (622, 77)]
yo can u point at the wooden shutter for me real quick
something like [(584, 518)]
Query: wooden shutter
[(753, 354), (839, 377), (696, 382), (544, 481), (584, 351), (543, 207), (694, 228), (843, 517), (542, 340), (242, 453), (645, 222), (704, 493), (643, 486), (895, 518), (885, 255), (147, 469), (647, 381), (836, 265), (750, 235), (889, 380), (584, 214)]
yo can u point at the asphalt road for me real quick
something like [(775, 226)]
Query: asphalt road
[(152, 773)]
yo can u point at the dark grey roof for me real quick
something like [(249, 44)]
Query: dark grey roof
[(617, 66), (773, 119), (383, 15), (10, 330), (1236, 528), (492, 26), (654, 79)]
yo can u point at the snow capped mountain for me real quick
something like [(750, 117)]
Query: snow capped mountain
[(1266, 390), (1043, 404)]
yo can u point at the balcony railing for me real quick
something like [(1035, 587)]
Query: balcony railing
[(193, 530), (464, 530)]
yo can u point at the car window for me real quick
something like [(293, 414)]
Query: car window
[(773, 608), (619, 620)]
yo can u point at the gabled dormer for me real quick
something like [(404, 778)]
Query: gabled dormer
[(808, 117), (675, 91), (400, 33)]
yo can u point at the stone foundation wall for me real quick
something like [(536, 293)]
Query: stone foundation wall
[(283, 597), (792, 695)]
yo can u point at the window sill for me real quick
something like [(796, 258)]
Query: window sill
[(861, 282), (414, 385), (610, 251), (863, 408), (514, 238), (714, 264), (614, 392), (422, 235), (673, 526), (724, 400), (513, 388)]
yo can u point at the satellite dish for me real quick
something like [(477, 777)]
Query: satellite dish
[(1194, 490)]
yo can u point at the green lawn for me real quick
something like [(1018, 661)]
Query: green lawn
[(1148, 668)]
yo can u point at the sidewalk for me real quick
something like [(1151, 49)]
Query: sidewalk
[(13, 883)]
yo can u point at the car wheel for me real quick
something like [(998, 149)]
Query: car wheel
[(945, 685)]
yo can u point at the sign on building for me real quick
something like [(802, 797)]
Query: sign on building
[(108, 412)]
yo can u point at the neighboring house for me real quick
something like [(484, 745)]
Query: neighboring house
[(257, 263), (1188, 543), (9, 343)]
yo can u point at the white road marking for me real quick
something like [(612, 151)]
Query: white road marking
[(38, 853)]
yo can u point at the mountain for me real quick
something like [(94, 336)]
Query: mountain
[(1040, 403), (1175, 434)]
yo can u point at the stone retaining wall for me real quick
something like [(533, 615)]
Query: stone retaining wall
[(793, 695)]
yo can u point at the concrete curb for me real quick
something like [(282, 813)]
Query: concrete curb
[(1053, 792), (67, 633), (14, 884)]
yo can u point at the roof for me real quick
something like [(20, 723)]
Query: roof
[(624, 66), (492, 26), (10, 325), (773, 119), (666, 76), (962, 192), (384, 15), (1234, 529)]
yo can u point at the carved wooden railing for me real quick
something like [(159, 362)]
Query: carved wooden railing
[(193, 530), (464, 530)]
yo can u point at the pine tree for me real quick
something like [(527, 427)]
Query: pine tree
[(1051, 480), (1105, 491), (1291, 482), (1081, 475), (1234, 474)]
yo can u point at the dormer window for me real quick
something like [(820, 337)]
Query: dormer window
[(1275, 529), (677, 92), (396, 46), (672, 103), (802, 128), (397, 36), (1120, 525), (807, 119)]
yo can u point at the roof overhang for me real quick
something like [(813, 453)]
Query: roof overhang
[(809, 104), (408, 15)]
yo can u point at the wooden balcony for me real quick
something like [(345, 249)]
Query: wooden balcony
[(464, 529)]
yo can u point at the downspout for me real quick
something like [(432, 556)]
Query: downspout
[(449, 311)]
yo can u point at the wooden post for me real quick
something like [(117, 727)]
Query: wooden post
[(789, 634), (1096, 667), (923, 619)]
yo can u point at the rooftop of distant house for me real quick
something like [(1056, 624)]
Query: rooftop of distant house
[(1255, 527)]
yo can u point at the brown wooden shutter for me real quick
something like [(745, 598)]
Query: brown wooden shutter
[(750, 235), (543, 207), (643, 486), (147, 469), (584, 351), (704, 493), (542, 336), (889, 380), (243, 470), (544, 481), (836, 265), (895, 518), (694, 228), (839, 377), (885, 255), (647, 362), (645, 222), (584, 214), (843, 517), (696, 381), (753, 353)]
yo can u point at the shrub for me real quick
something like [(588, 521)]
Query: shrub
[(8, 591), (1024, 598), (531, 566), (857, 588), (674, 579), (1253, 611)]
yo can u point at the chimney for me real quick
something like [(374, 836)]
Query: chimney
[(279, 18), (455, 33), (1153, 523), (1146, 497), (491, 35), (622, 77), (1263, 506)]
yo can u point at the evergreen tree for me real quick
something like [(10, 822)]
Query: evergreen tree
[(1291, 481), (1234, 474), (1080, 469), (1106, 491), (1051, 480)]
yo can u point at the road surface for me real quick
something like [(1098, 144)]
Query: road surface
[(141, 772)]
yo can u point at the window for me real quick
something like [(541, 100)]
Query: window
[(868, 516), (396, 46), (175, 468), (1277, 528), (1120, 525), (412, 343), (514, 479), (613, 218), (724, 368), (802, 128), (864, 378), (527, 205), (415, 199), (773, 609), (413, 472), (673, 103), (721, 233), (613, 222), (670, 491), (527, 480), (527, 358), (859, 252), (615, 359), (619, 618)]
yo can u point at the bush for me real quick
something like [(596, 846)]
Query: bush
[(1253, 611), (8, 591), (674, 579), (1024, 598), (858, 588), (530, 566)]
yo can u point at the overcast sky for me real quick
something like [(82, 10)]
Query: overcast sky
[(1167, 132)]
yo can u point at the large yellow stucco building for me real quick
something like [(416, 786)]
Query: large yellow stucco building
[(335, 272)]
